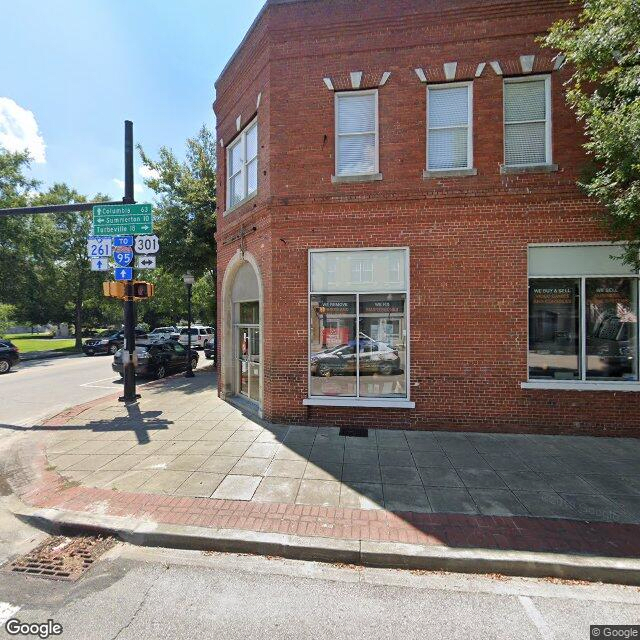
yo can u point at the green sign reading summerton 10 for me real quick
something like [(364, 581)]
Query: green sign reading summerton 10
[(122, 219)]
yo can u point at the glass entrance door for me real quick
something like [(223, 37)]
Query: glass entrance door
[(249, 361)]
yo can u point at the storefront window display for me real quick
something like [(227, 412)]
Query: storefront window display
[(358, 341)]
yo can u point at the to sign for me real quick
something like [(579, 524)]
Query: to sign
[(98, 247), (147, 244), (123, 241)]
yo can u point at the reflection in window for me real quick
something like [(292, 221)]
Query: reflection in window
[(361, 271), (383, 354), (333, 347), (554, 321), (612, 328)]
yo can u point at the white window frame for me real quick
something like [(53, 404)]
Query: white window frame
[(452, 85), (241, 139), (583, 384), (366, 92), (336, 401), (548, 120)]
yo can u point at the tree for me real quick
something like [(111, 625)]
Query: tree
[(601, 45), (7, 313), (186, 213)]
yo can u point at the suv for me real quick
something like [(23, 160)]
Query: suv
[(108, 343), (201, 336), (9, 355), (157, 359)]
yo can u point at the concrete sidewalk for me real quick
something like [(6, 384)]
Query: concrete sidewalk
[(182, 457)]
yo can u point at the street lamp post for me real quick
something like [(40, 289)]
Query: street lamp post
[(188, 279)]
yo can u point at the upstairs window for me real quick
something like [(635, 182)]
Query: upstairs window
[(527, 121), (449, 127), (242, 166), (356, 133)]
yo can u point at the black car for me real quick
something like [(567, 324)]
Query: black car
[(158, 359), (9, 355), (108, 342)]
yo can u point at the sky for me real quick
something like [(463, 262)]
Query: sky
[(72, 71)]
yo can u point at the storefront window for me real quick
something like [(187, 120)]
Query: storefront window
[(554, 329), (358, 337), (612, 328)]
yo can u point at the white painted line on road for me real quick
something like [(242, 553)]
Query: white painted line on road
[(7, 611), (93, 383), (536, 617)]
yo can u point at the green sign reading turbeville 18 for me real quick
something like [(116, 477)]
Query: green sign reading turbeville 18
[(122, 219)]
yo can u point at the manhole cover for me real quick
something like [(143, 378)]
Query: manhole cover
[(61, 558)]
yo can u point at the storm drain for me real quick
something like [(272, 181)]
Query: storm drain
[(354, 432), (61, 558)]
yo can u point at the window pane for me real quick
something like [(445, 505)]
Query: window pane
[(235, 158), (333, 345), (612, 328), (448, 148), (383, 352), (578, 260), (249, 312), (524, 101), (356, 113), (358, 270), (554, 329), (356, 154), (448, 107), (252, 142), (525, 143), (236, 189), (252, 176)]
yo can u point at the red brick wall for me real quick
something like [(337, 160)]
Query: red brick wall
[(467, 236)]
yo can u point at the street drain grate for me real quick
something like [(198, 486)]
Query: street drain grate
[(61, 558), (354, 432)]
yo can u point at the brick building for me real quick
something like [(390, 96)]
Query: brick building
[(401, 242)]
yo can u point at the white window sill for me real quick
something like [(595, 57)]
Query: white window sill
[(367, 177), (581, 385), (528, 168), (239, 204), (448, 173), (382, 403)]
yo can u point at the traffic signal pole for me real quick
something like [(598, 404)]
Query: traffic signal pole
[(129, 348)]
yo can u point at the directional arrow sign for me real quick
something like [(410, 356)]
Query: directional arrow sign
[(99, 264), (122, 219), (123, 273), (122, 210), (132, 228), (145, 262)]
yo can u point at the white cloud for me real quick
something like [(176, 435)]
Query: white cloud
[(19, 130), (147, 172), (137, 188)]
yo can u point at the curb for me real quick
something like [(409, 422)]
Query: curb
[(373, 554), (47, 355)]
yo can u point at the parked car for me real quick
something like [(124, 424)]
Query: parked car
[(201, 336), (9, 355), (158, 359), (375, 357), (165, 332), (210, 351), (108, 343)]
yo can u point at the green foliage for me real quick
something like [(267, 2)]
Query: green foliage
[(601, 46), (7, 315)]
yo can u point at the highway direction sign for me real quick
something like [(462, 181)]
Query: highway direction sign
[(100, 264), (98, 247), (147, 244), (123, 256), (145, 262), (123, 273), (122, 219)]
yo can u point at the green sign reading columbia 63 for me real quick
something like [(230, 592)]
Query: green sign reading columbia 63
[(122, 219)]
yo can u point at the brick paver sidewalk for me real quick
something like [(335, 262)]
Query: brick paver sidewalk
[(182, 456)]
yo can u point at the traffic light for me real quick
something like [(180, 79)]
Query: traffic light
[(113, 289), (142, 290)]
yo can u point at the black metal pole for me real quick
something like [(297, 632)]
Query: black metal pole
[(189, 373), (129, 349)]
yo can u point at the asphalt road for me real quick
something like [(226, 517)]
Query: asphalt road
[(135, 593), (37, 389)]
